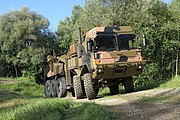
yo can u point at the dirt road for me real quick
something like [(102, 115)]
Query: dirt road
[(3, 81), (159, 105)]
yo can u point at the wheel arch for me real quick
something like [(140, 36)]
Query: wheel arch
[(84, 70)]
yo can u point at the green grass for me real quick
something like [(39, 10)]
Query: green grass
[(173, 83), (24, 101), (90, 111), (154, 99), (39, 109), (22, 89), (55, 109), (161, 99)]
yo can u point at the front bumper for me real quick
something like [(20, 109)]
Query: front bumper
[(118, 70)]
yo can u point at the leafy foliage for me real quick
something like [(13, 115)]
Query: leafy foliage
[(67, 29), (156, 19), (25, 41)]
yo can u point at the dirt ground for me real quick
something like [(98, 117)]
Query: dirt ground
[(7, 93), (2, 81), (130, 107)]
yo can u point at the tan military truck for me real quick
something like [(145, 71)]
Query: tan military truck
[(107, 56)]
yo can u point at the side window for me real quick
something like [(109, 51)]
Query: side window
[(104, 42), (126, 41), (124, 44)]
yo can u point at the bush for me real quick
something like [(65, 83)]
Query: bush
[(149, 78)]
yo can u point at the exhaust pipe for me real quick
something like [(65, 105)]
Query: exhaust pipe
[(80, 38)]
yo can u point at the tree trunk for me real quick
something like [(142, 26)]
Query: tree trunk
[(177, 64), (16, 70)]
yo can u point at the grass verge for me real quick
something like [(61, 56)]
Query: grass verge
[(39, 109), (161, 99), (166, 97), (24, 101), (89, 111), (173, 83), (23, 90)]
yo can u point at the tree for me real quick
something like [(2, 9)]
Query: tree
[(175, 25), (25, 40), (154, 18), (68, 29)]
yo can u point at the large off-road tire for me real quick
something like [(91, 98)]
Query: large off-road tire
[(61, 90), (48, 88), (54, 88), (114, 89), (77, 87), (128, 84), (88, 85)]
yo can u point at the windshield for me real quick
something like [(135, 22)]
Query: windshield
[(112, 42), (105, 42)]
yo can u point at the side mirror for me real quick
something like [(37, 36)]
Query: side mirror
[(89, 45), (144, 40)]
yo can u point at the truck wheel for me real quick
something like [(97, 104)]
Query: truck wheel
[(54, 88), (128, 84), (61, 90), (77, 87), (114, 89), (88, 85), (48, 88)]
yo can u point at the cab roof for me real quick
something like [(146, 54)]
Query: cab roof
[(108, 30)]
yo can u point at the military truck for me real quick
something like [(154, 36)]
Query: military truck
[(106, 56)]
